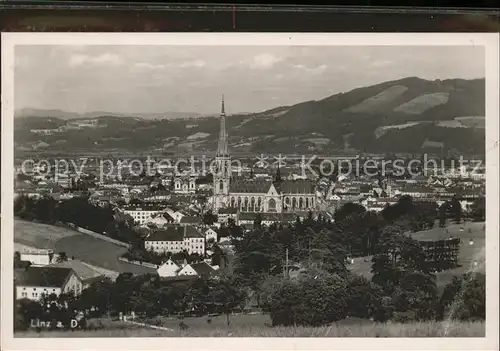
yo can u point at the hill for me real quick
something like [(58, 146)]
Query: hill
[(65, 115), (407, 115)]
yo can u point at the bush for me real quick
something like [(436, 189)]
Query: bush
[(464, 298), (363, 297), (404, 317), (310, 301)]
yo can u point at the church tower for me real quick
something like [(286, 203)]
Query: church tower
[(222, 169)]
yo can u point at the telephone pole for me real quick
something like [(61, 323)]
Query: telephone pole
[(285, 266), (286, 262)]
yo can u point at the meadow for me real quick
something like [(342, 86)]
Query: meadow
[(467, 256), (94, 251), (256, 326)]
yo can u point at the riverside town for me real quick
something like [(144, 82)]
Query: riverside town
[(351, 207)]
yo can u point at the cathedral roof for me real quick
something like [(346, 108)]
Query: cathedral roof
[(282, 187), (295, 187), (250, 186)]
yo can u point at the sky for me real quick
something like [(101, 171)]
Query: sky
[(155, 79)]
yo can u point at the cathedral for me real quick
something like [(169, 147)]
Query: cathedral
[(248, 195)]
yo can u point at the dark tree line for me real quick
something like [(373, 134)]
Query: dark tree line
[(146, 295), (403, 286)]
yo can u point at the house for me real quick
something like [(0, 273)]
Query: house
[(175, 238), (168, 269), (37, 257), (225, 214), (165, 240), (200, 269), (34, 282), (161, 219), (175, 214), (143, 213), (194, 242), (210, 233), (190, 220), (83, 271), (157, 196)]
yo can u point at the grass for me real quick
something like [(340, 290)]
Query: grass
[(38, 235), (253, 326), (96, 252), (467, 255)]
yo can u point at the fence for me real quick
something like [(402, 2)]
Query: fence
[(138, 263)]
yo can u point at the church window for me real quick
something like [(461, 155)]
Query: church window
[(272, 205)]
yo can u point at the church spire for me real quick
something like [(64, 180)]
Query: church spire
[(222, 145)]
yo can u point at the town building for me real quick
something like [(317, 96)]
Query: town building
[(211, 234), (35, 282), (199, 269), (175, 238), (225, 214), (168, 269), (251, 195), (37, 257), (143, 213), (185, 184), (85, 273)]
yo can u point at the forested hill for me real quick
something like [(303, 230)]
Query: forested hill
[(407, 115)]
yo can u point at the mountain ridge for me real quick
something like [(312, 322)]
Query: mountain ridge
[(408, 115)]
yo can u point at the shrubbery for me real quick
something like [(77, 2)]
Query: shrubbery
[(310, 300)]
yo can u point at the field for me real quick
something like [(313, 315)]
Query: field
[(254, 326), (86, 248), (467, 256)]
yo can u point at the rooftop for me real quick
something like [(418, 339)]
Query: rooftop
[(190, 219), (174, 233), (44, 276), (203, 268), (83, 271)]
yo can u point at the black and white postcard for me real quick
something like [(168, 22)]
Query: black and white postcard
[(250, 191)]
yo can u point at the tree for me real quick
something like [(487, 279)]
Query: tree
[(456, 210), (478, 209), (364, 297), (362, 231), (464, 298), (347, 210), (443, 210), (227, 293), (25, 311), (61, 257), (327, 255), (312, 300), (209, 218), (396, 253), (257, 223), (219, 257), (416, 295)]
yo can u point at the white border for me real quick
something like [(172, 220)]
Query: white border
[(489, 41)]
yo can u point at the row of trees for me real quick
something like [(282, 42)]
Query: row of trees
[(145, 295), (314, 298)]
